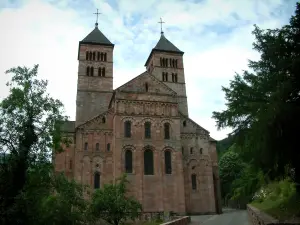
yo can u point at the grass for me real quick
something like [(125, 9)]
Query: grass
[(281, 201)]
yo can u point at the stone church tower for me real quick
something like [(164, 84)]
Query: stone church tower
[(95, 75), (141, 128)]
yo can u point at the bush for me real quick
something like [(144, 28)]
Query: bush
[(279, 199)]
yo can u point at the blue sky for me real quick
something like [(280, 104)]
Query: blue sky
[(214, 34)]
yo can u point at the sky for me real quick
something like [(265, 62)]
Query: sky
[(214, 34)]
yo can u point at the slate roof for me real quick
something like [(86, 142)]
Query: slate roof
[(96, 37), (164, 45)]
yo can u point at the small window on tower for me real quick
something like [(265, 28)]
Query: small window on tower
[(103, 119), (184, 123), (92, 71), (102, 56), (146, 87), (85, 146), (176, 78), (91, 56), (108, 147), (94, 56), (87, 55), (99, 71), (103, 72), (98, 56), (166, 76), (201, 151), (105, 57), (191, 150), (176, 66), (88, 71)]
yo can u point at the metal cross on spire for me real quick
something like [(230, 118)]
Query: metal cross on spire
[(97, 13), (161, 22)]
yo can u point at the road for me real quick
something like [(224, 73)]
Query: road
[(229, 217)]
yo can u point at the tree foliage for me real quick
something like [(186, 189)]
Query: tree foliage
[(113, 205), (50, 198), (230, 165), (263, 103), (30, 122)]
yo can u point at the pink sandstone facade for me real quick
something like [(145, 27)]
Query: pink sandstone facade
[(142, 128)]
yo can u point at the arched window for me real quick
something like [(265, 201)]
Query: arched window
[(194, 181), (167, 130), (173, 62), (127, 129), (98, 56), (166, 76), (97, 180), (128, 161), (94, 56), (105, 57), (148, 162), (88, 71), (103, 119), (184, 123), (99, 71), (191, 150), (168, 162), (108, 147), (167, 62), (176, 78), (87, 55), (146, 87), (101, 56), (147, 130), (103, 72), (97, 146), (201, 151), (92, 71), (176, 63), (85, 146), (91, 56)]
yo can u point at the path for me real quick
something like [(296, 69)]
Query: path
[(229, 217)]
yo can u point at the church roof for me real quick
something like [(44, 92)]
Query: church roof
[(164, 45), (96, 37)]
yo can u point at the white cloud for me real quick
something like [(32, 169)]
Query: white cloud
[(48, 34)]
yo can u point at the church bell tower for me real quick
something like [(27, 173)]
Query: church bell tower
[(165, 62), (95, 75)]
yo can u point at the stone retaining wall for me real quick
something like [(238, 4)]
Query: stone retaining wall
[(257, 217), (180, 221)]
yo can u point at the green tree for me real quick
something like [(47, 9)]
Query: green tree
[(263, 105), (50, 198), (30, 122), (113, 205), (230, 166)]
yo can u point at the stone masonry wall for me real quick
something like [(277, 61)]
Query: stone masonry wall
[(180, 221), (257, 217)]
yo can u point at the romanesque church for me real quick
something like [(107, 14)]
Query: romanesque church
[(141, 128)]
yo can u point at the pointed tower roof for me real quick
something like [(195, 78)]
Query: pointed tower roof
[(96, 37), (164, 45)]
